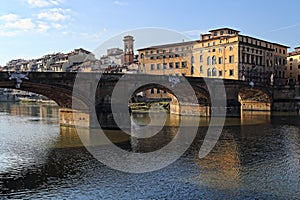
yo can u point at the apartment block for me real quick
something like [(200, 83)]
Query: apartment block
[(222, 53), (293, 65)]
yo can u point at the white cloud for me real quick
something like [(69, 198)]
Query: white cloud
[(22, 24), (57, 26), (43, 27), (44, 3), (120, 3), (9, 17), (8, 33), (55, 14)]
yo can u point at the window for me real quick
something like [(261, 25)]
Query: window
[(214, 60), (231, 59), (214, 72), (214, 43), (220, 73), (158, 91), (201, 69), (177, 65), (220, 60), (192, 70), (220, 50), (208, 72), (208, 44), (192, 60), (215, 33), (208, 60), (298, 66), (165, 65), (157, 51), (158, 66), (183, 64), (230, 48), (231, 72), (170, 65), (152, 91), (201, 58), (291, 67), (291, 59), (221, 32), (142, 55), (152, 66)]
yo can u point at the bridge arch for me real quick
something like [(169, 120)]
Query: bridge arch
[(166, 94), (254, 98)]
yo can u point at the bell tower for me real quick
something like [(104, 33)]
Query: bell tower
[(128, 50)]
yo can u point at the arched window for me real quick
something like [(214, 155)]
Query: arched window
[(192, 70), (142, 55), (214, 60), (192, 60), (214, 72), (201, 69), (208, 72), (201, 58), (208, 60)]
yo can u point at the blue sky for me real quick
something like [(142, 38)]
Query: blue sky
[(32, 28)]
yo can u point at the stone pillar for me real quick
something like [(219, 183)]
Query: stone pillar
[(106, 117)]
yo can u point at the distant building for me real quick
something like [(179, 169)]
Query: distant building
[(128, 50), (56, 62), (293, 65), (119, 61), (114, 58)]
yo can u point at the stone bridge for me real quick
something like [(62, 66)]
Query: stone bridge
[(89, 95)]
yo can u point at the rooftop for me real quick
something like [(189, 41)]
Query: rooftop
[(170, 45)]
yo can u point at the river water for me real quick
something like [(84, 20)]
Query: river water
[(256, 157)]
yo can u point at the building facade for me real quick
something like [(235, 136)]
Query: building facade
[(222, 53), (293, 65)]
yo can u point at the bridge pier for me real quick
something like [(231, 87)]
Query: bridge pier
[(189, 109)]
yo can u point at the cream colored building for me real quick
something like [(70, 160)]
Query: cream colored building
[(293, 65), (222, 53)]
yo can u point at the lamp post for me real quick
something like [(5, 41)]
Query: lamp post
[(251, 82)]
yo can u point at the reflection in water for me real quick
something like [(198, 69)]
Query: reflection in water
[(257, 156)]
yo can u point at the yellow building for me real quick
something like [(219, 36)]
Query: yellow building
[(293, 65), (169, 59), (222, 53)]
